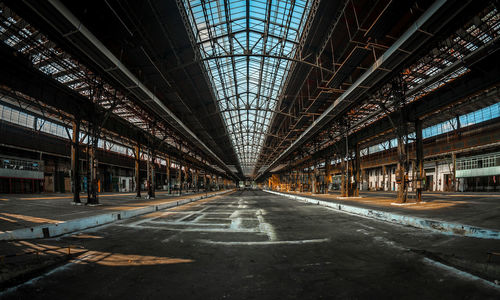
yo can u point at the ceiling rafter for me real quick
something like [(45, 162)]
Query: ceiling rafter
[(247, 75)]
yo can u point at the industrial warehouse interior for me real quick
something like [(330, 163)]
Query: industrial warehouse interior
[(249, 149)]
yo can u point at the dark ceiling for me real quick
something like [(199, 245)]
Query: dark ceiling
[(343, 40)]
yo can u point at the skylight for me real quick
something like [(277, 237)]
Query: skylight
[(245, 47)]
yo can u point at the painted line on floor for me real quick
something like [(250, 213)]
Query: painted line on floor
[(460, 273), (295, 242), (53, 230), (265, 227), (428, 224)]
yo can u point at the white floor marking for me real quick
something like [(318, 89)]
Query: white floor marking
[(366, 226), (235, 223), (363, 231), (201, 216), (456, 272), (265, 227), (297, 242), (187, 223), (389, 243), (241, 204), (170, 238), (461, 274), (199, 229), (138, 223), (235, 214), (242, 220), (318, 264)]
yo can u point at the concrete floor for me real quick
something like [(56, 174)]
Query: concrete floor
[(476, 209), (27, 210), (24, 211), (253, 245)]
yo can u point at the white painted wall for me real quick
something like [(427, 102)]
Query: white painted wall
[(127, 187), (376, 178)]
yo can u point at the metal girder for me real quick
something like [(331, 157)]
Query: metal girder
[(18, 74), (243, 58), (470, 84), (118, 70), (374, 74), (281, 57)]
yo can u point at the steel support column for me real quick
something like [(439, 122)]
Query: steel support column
[(168, 175), (343, 177), (75, 162), (327, 176), (402, 170), (389, 179), (454, 172), (419, 163), (137, 171), (356, 170), (205, 182), (197, 183), (180, 178), (384, 173), (151, 174), (92, 198), (315, 179)]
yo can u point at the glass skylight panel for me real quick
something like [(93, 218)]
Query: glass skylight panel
[(247, 61)]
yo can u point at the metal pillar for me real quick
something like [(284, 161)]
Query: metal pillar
[(287, 182), (92, 190), (169, 189), (384, 173), (205, 181), (454, 172), (402, 170), (180, 178), (327, 176), (137, 152), (314, 180), (389, 179), (186, 177), (151, 174), (419, 159), (308, 178), (343, 177), (356, 172), (363, 178), (75, 162), (197, 176), (436, 175)]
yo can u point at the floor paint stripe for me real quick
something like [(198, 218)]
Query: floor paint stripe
[(460, 273), (297, 242)]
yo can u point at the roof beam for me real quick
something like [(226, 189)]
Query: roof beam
[(118, 65), (374, 71)]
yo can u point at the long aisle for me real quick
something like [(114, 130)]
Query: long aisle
[(253, 245)]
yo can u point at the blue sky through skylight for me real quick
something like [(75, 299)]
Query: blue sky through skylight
[(235, 39)]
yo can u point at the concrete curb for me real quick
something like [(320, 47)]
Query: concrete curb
[(429, 224), (52, 230)]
